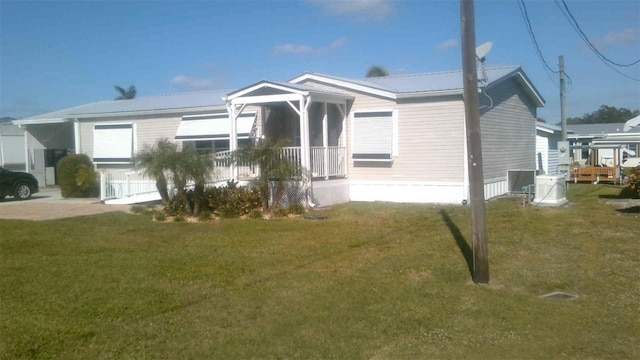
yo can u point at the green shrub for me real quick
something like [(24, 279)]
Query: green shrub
[(230, 201), (76, 176)]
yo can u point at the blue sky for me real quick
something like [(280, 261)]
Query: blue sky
[(56, 54)]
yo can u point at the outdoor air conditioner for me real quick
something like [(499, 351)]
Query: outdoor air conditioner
[(518, 179), (550, 190)]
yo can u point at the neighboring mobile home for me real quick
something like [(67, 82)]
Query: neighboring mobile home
[(395, 138)]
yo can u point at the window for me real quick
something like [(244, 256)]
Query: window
[(375, 136), (113, 143)]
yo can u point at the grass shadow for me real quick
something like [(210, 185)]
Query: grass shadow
[(625, 193), (462, 243), (630, 210)]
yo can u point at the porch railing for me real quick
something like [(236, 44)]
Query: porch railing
[(131, 184), (123, 184), (334, 164)]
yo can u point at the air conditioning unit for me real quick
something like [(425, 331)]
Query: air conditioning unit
[(550, 190), (518, 179)]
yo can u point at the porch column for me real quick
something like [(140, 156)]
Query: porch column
[(343, 135), (233, 138), (305, 146), (325, 141)]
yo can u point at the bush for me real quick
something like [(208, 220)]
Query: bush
[(230, 201), (76, 176)]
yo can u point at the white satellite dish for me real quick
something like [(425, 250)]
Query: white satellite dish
[(481, 53), (483, 50), (630, 124)]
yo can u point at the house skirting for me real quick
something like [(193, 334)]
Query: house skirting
[(495, 187), (330, 192), (407, 191)]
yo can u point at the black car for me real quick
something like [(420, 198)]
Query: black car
[(20, 185)]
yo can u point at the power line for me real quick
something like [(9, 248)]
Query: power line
[(525, 16), (567, 14), (584, 37)]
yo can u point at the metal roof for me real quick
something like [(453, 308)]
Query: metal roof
[(204, 99), (440, 81), (586, 130), (397, 86)]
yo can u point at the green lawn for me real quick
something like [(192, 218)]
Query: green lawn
[(374, 281)]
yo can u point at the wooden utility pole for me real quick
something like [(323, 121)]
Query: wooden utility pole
[(474, 146), (563, 99)]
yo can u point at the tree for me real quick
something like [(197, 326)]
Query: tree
[(126, 94), (274, 167), (154, 160), (377, 71), (605, 114)]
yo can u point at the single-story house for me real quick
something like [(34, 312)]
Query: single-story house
[(395, 138), (585, 136)]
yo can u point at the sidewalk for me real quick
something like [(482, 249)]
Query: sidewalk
[(49, 204)]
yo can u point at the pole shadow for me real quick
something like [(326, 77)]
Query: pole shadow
[(464, 247)]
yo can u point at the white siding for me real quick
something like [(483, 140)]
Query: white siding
[(542, 154)]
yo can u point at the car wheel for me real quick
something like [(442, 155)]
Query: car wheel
[(22, 191)]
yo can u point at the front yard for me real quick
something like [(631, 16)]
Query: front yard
[(372, 281)]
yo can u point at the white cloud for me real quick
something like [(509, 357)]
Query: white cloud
[(628, 36), (292, 49), (193, 84), (448, 44), (306, 49), (360, 9)]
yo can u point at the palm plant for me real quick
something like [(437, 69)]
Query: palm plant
[(274, 167), (154, 160), (196, 167), (377, 71), (130, 93)]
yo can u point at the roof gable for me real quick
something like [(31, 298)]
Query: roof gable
[(426, 84)]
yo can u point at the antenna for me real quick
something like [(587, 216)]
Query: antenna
[(481, 54)]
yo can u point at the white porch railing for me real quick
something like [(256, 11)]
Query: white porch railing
[(329, 161), (129, 186)]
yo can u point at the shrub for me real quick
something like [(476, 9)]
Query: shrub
[(230, 201), (159, 216), (76, 176)]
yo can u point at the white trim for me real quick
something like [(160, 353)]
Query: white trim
[(345, 84), (263, 99), (262, 85)]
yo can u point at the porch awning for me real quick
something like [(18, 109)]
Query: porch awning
[(213, 127)]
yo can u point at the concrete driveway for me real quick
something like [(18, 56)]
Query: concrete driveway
[(49, 204)]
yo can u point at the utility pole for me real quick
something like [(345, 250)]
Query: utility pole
[(563, 99), (474, 146)]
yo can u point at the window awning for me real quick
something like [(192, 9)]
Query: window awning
[(214, 127)]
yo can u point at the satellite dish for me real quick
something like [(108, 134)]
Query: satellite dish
[(483, 50)]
